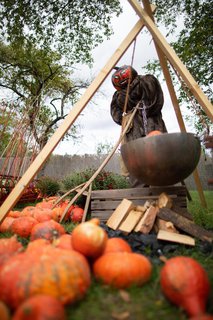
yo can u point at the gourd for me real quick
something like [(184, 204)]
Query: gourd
[(122, 269), (77, 214), (185, 283), (154, 133), (89, 238), (64, 242), (6, 224), (40, 307)]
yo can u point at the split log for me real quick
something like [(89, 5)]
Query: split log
[(120, 214), (165, 225), (164, 201), (131, 221), (185, 224), (147, 221)]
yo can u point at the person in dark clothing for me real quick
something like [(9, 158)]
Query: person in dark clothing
[(143, 91)]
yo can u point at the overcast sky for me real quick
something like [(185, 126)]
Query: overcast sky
[(96, 123)]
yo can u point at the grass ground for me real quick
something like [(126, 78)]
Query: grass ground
[(147, 302)]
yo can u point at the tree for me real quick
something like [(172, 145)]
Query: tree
[(72, 27), (194, 47), (42, 87)]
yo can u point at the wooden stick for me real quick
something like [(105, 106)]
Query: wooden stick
[(86, 207), (19, 189), (67, 193), (173, 58)]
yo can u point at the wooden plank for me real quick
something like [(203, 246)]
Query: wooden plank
[(120, 214), (130, 221), (185, 224), (138, 192), (175, 237), (21, 186)]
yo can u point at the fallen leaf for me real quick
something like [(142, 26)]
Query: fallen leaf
[(124, 295), (121, 316)]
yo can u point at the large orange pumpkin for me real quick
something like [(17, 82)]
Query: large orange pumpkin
[(122, 269), (89, 238), (41, 214), (48, 230), (14, 214), (60, 273), (28, 211), (77, 214), (40, 307), (185, 283), (37, 245), (64, 242)]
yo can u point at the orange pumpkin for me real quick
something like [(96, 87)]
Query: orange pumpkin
[(77, 214), (8, 248), (14, 214), (89, 238), (37, 245), (57, 213), (64, 242), (60, 273), (22, 226), (41, 214), (6, 224), (4, 311), (122, 269), (48, 230), (185, 283), (40, 307), (117, 245), (28, 211), (45, 204), (154, 133)]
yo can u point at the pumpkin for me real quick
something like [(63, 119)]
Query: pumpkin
[(89, 238), (14, 214), (22, 226), (8, 248), (37, 245), (6, 224), (4, 311), (77, 214), (60, 273), (63, 206), (44, 204), (154, 133), (122, 269), (117, 245), (63, 242), (57, 213), (40, 307), (28, 211), (48, 230), (185, 283), (41, 214)]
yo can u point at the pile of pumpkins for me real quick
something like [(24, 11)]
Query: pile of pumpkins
[(56, 269)]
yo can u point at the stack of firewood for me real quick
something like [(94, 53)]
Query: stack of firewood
[(171, 223)]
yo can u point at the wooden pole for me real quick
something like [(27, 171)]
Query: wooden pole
[(167, 76), (19, 189), (174, 60)]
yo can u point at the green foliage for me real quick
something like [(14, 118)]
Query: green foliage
[(72, 27), (105, 180), (193, 45), (202, 216), (42, 87), (48, 186)]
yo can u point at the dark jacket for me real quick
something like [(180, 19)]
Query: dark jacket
[(146, 89)]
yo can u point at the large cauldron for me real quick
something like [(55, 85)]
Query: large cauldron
[(163, 159)]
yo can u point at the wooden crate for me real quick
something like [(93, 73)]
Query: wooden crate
[(104, 202)]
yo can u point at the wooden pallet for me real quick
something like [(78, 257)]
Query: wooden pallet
[(104, 202)]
